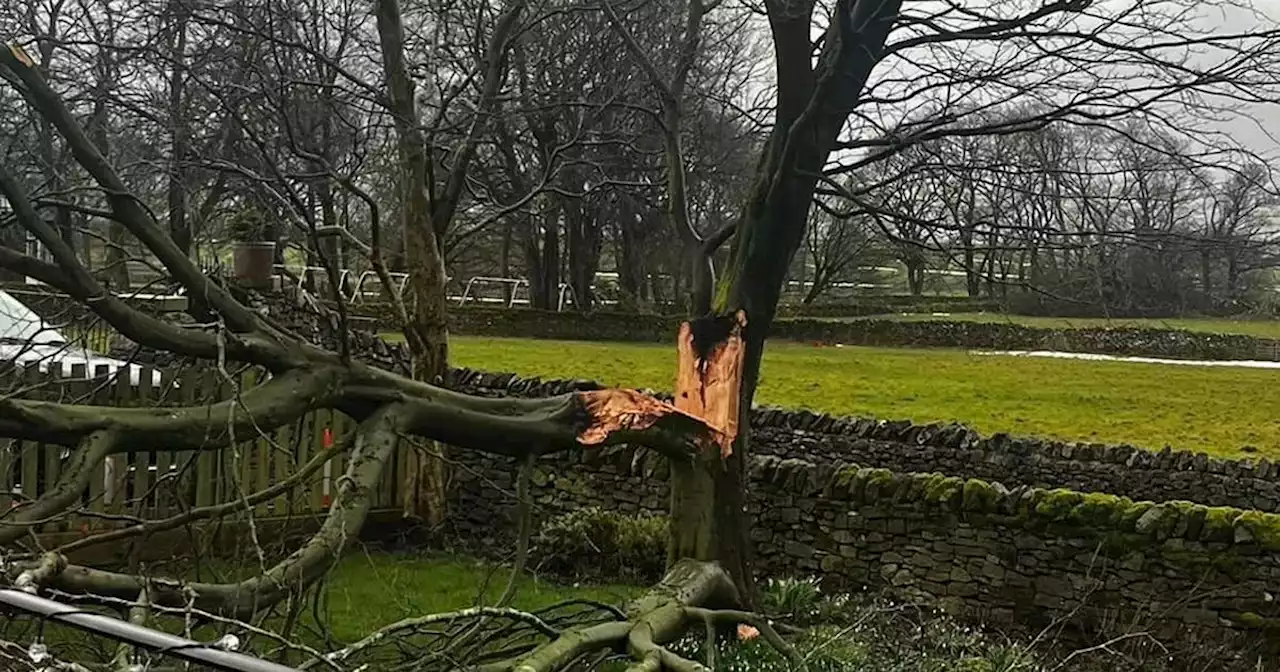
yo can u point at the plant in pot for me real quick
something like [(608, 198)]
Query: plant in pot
[(253, 252)]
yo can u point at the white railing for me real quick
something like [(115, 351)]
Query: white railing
[(513, 285), (359, 293)]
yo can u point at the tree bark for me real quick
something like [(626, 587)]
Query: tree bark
[(584, 252), (812, 108), (427, 333), (542, 256), (915, 277), (179, 227), (633, 274)]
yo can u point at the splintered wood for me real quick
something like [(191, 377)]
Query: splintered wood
[(709, 382), (22, 55), (621, 410)]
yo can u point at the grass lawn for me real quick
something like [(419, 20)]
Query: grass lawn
[(1217, 410), (1259, 328), (368, 591), (365, 592)]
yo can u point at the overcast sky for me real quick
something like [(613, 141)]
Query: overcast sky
[(1255, 127), (1261, 128)]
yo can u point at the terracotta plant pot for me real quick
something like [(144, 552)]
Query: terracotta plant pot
[(254, 263)]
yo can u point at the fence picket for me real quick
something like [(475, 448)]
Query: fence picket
[(208, 463), (405, 461), (123, 394), (281, 457), (29, 451), (264, 457), (154, 483), (317, 486), (100, 393), (142, 458), (185, 464), (6, 474), (300, 445), (385, 495), (226, 456), (50, 458), (76, 391), (246, 442), (166, 487)]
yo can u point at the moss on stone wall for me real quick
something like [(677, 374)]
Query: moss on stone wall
[(1093, 514)]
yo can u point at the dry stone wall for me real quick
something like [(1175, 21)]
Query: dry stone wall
[(1010, 557), (1014, 554), (602, 326), (1020, 556), (957, 450)]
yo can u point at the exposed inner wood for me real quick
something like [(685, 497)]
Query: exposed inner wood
[(709, 379), (618, 410)]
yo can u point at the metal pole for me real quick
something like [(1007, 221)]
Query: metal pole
[(153, 640)]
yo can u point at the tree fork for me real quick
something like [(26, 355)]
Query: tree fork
[(692, 591), (92, 451)]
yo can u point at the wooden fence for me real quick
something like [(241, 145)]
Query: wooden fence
[(147, 482)]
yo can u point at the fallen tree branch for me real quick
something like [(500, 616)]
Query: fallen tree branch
[(15, 523), (265, 407), (375, 442), (46, 569), (516, 427), (569, 647), (658, 617), (398, 627), (764, 625)]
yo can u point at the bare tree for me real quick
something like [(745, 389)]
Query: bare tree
[(820, 129), (836, 244)]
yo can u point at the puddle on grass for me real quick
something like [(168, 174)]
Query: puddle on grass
[(1241, 363)]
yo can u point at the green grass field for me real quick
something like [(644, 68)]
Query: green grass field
[(1217, 410), (364, 592), (1259, 328), (368, 591)]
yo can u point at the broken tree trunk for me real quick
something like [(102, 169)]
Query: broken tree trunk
[(709, 522)]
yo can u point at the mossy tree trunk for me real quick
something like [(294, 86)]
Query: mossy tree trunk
[(426, 331), (711, 520), (426, 215)]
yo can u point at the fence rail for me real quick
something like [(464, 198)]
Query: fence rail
[(152, 483)]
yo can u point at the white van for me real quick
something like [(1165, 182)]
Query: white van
[(27, 340)]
